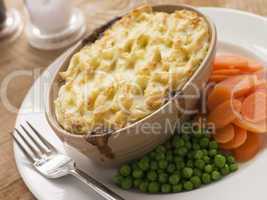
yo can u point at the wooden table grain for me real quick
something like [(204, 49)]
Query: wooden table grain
[(20, 56)]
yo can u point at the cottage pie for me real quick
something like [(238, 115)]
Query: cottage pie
[(126, 74)]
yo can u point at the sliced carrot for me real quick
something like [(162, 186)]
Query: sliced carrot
[(232, 61), (261, 74), (254, 65), (227, 72), (218, 78), (239, 139), (241, 99), (256, 127), (223, 61), (224, 134), (254, 107), (240, 85), (249, 149), (217, 96), (225, 113), (262, 87)]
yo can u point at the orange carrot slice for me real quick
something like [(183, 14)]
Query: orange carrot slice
[(241, 99), (249, 149), (254, 65), (227, 60), (239, 139), (217, 96), (261, 88), (227, 72), (255, 127), (240, 85), (254, 107), (218, 78), (261, 74), (224, 134), (225, 113)]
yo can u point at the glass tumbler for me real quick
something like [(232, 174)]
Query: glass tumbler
[(53, 24)]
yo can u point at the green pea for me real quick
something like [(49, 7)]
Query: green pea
[(171, 168), (125, 170), (212, 152), (206, 178), (160, 156), (186, 137), (190, 163), (143, 164), (126, 183), (199, 154), (213, 145), (196, 146), (188, 144), (178, 159), (153, 165), (163, 164), (225, 170), (191, 154), (208, 168), (137, 183), (180, 165), (204, 142), (160, 149), (152, 176), (196, 181), (117, 179), (175, 140), (153, 187), (163, 178), (199, 163), (166, 188), (206, 159), (205, 152), (197, 172), (178, 172), (187, 172), (174, 179), (138, 173), (215, 175), (177, 188), (230, 159), (179, 143), (188, 185), (182, 151), (233, 167), (143, 186), (219, 161), (169, 156)]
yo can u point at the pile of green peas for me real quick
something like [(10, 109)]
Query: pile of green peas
[(183, 163)]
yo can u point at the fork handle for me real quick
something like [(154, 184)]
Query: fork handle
[(98, 187)]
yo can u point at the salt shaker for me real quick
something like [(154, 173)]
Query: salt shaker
[(53, 24), (11, 24)]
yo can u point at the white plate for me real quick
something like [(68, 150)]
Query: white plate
[(248, 33)]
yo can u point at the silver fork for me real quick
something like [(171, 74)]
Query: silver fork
[(52, 164)]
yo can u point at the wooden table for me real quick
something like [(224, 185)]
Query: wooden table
[(20, 56)]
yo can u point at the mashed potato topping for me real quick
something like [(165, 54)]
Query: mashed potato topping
[(125, 75)]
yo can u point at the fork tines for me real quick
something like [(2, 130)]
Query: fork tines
[(31, 142)]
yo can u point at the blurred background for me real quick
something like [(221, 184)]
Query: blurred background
[(19, 55)]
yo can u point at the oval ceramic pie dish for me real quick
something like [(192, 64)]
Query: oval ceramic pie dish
[(115, 138)]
